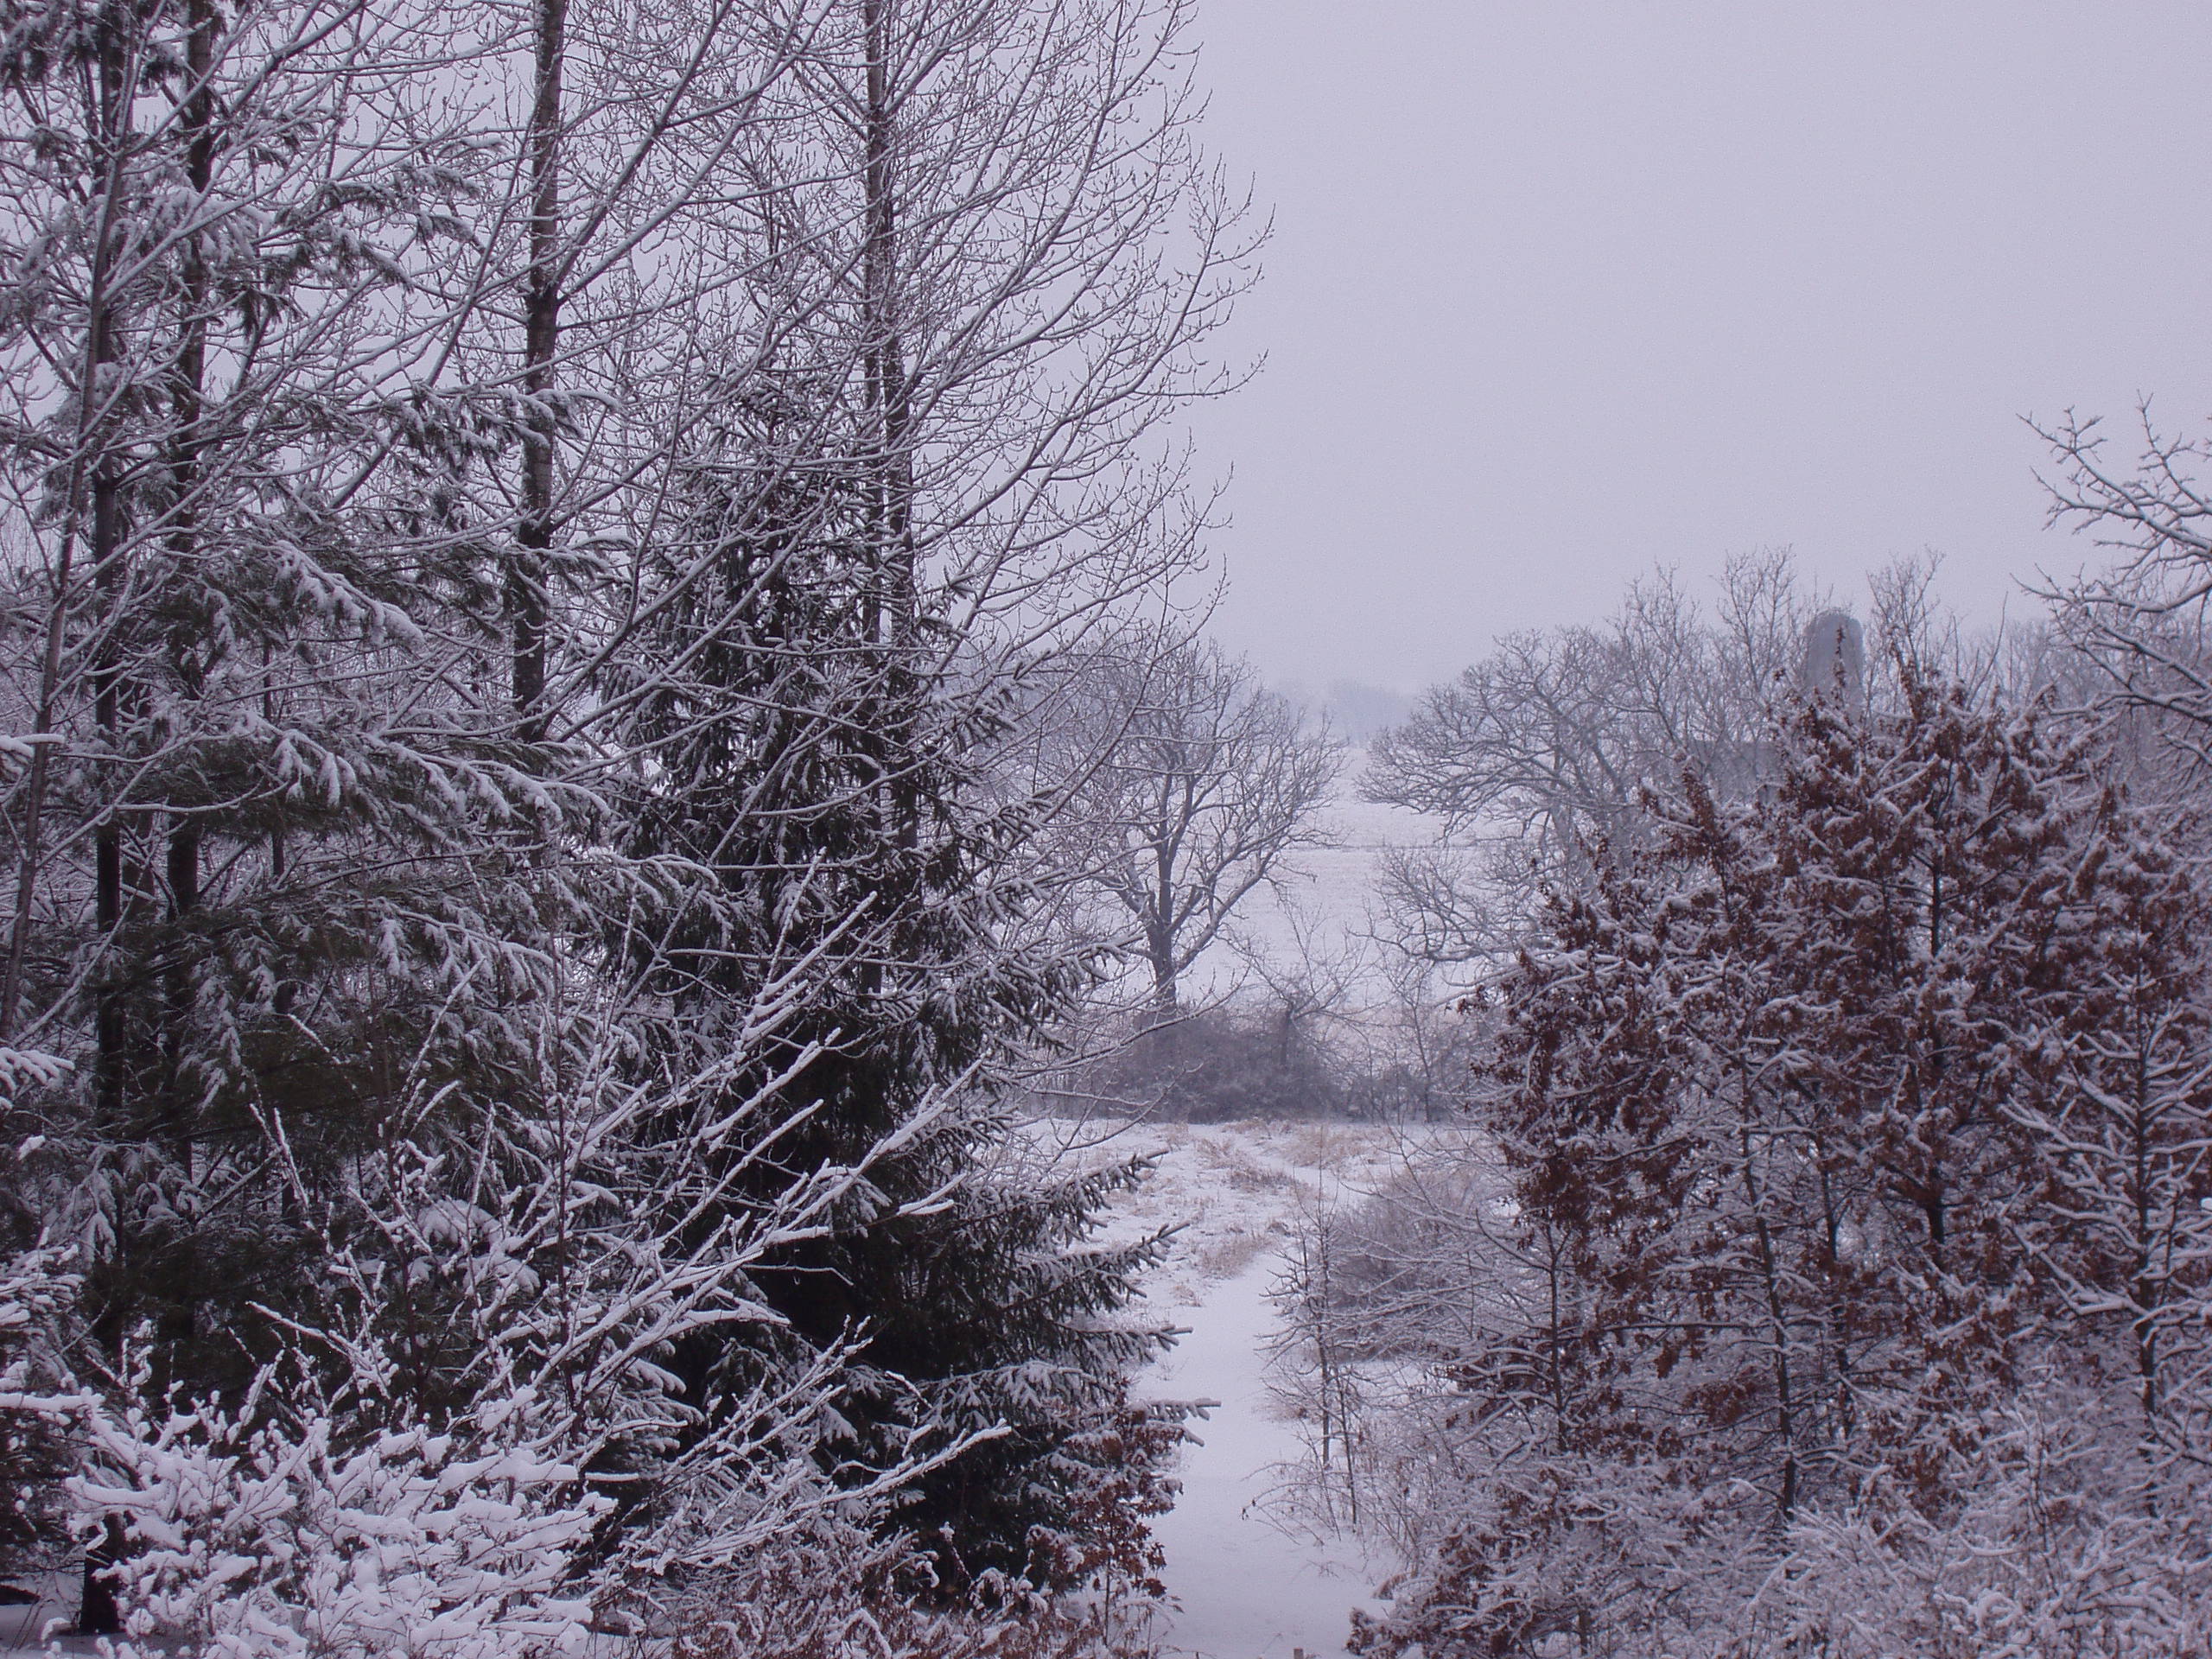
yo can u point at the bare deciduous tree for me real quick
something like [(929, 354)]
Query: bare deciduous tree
[(1535, 757), (2141, 623), (1202, 787)]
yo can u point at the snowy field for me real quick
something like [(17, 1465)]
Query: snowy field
[(1322, 907), (1247, 1581)]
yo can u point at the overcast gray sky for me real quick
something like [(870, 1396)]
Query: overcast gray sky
[(1562, 287)]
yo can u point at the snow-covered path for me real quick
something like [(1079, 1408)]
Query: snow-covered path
[(1245, 1590)]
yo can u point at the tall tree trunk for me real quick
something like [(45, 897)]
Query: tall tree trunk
[(529, 604), (187, 401), (107, 533), (890, 401), (98, 1613), (892, 590)]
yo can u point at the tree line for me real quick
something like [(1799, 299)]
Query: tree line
[(1821, 1258), (542, 542)]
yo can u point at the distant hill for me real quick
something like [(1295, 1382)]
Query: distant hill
[(1354, 711)]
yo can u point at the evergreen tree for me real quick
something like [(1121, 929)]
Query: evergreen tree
[(806, 751), (261, 895)]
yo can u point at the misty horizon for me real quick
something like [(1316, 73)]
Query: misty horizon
[(1560, 294)]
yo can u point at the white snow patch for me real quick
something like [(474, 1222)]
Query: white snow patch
[(1245, 1587)]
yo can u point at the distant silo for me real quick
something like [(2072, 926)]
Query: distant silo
[(1835, 659)]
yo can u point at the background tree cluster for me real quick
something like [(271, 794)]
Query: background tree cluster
[(1191, 791), (1824, 1261)]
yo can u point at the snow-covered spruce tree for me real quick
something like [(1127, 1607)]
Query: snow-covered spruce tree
[(1781, 1089), (281, 888), (264, 853), (35, 1456), (923, 455), (800, 747), (270, 1531)]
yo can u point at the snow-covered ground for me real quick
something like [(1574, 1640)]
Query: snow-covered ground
[(1320, 908), (1244, 1588), (1249, 1582)]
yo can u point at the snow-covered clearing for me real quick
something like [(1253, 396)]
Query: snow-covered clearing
[(1319, 910), (1249, 1580), (1244, 1587)]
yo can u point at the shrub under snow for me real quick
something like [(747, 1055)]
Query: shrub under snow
[(268, 1540)]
